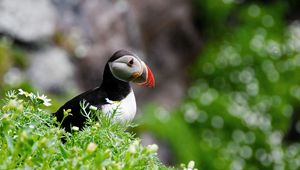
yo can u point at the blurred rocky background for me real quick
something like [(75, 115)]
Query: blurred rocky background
[(227, 71), (68, 42)]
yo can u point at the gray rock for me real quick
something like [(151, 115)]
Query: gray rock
[(28, 20), (51, 70)]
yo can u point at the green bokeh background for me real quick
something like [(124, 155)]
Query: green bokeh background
[(245, 88)]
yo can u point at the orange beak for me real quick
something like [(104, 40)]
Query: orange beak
[(145, 78), (150, 81)]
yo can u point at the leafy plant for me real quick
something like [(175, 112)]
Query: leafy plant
[(31, 139)]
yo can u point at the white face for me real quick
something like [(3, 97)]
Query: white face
[(127, 68)]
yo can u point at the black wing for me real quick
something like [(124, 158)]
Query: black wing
[(94, 97)]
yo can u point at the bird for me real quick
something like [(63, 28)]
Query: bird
[(115, 91)]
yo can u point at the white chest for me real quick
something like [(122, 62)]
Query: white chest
[(124, 110)]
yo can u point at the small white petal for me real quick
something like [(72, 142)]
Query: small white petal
[(191, 165)]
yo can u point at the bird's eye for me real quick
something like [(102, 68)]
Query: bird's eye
[(130, 63)]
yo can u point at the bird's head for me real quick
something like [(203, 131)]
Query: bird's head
[(129, 67)]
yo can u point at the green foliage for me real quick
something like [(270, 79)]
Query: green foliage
[(214, 14), (31, 139), (246, 85)]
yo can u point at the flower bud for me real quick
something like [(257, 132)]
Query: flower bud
[(94, 108), (75, 128), (91, 147), (132, 149), (191, 164), (152, 148)]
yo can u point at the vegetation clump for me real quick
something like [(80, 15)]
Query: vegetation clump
[(30, 138)]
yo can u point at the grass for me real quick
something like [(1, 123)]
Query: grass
[(30, 138)]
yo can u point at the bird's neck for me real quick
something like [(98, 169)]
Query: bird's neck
[(116, 89)]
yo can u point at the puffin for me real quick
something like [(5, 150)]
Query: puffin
[(113, 94)]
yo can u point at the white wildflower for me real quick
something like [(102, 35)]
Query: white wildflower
[(22, 92), (191, 164), (44, 99), (136, 142), (75, 128), (133, 146), (25, 93), (132, 149), (152, 148)]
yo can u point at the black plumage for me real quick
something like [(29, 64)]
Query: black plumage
[(111, 88)]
